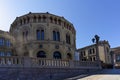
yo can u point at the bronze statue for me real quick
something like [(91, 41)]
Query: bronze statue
[(97, 38), (93, 40)]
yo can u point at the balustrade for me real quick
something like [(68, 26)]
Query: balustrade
[(49, 63), (46, 63), (11, 61)]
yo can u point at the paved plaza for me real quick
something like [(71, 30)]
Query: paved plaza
[(107, 74), (101, 77)]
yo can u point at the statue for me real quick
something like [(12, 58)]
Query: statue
[(93, 40), (97, 38)]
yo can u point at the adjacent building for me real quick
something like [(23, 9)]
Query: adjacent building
[(94, 52), (116, 57), (6, 44)]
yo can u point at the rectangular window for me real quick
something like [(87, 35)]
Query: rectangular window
[(2, 53), (8, 54), (54, 35), (38, 34), (117, 58), (1, 42), (8, 44), (58, 36), (42, 34)]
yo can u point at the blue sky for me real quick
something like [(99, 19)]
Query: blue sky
[(89, 17)]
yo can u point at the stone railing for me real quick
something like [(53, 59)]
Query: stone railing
[(44, 63), (52, 63), (11, 61)]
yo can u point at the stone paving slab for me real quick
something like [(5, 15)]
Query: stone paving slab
[(101, 77), (75, 78), (107, 74)]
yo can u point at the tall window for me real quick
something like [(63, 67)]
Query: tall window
[(57, 55), (41, 54), (56, 36), (2, 42), (8, 44), (93, 50), (118, 58), (8, 53), (2, 53), (68, 39), (25, 35), (34, 19), (44, 19), (40, 34), (69, 56)]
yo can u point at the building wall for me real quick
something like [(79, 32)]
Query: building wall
[(89, 53), (6, 44), (41, 73), (116, 56), (30, 46)]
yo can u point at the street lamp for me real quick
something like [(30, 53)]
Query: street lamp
[(96, 41)]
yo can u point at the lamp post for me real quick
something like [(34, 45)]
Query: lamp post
[(96, 41)]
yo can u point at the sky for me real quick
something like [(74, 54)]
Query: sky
[(89, 17)]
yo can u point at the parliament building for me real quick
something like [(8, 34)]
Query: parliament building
[(42, 35)]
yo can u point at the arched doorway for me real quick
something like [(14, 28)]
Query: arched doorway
[(57, 55), (69, 56), (41, 54)]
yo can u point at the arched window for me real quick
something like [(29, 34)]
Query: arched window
[(68, 39), (41, 54), (57, 55), (40, 34), (56, 36), (69, 56), (2, 41)]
